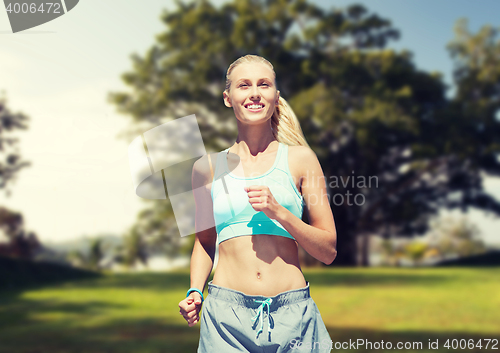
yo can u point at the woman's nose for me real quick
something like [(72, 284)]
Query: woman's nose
[(254, 93)]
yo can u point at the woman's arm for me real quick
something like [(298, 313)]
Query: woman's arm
[(202, 257), (319, 238)]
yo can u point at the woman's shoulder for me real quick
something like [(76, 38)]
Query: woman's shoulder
[(203, 169), (301, 153), (301, 158)]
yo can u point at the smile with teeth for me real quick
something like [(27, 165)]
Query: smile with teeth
[(254, 107)]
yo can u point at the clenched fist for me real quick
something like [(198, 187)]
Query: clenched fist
[(190, 308), (261, 199)]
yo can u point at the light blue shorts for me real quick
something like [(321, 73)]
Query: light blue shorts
[(232, 321)]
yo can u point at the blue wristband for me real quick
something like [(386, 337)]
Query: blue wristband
[(195, 290)]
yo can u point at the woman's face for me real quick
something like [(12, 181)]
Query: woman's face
[(252, 94)]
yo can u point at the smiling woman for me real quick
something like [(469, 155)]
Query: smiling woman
[(255, 217)]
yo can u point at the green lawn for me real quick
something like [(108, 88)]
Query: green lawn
[(139, 313)]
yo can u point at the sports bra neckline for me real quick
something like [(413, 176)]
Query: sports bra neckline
[(276, 161)]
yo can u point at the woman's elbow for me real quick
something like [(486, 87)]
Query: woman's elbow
[(332, 254)]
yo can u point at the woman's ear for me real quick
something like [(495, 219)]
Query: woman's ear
[(277, 97), (227, 101)]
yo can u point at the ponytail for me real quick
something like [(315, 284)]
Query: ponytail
[(285, 125)]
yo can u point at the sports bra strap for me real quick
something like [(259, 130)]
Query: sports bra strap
[(219, 168), (210, 164), (221, 174), (282, 156)]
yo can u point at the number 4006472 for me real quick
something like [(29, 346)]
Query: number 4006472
[(24, 7)]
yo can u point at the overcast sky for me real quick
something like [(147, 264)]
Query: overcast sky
[(60, 73)]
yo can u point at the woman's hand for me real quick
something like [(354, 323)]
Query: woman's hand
[(261, 199), (190, 308)]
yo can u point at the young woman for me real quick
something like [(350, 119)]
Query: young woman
[(258, 300)]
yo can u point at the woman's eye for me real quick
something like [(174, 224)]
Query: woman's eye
[(245, 85)]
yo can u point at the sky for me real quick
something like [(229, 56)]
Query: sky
[(60, 73)]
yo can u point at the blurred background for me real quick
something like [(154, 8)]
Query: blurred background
[(400, 100)]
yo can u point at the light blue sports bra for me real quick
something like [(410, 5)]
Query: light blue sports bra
[(234, 215)]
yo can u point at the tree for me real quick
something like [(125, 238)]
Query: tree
[(416, 250), (10, 158), (368, 113), (456, 238), (133, 250), (92, 260), (96, 253), (391, 252), (20, 243)]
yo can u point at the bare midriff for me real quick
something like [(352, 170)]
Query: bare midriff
[(259, 264)]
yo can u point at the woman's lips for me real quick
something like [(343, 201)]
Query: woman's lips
[(254, 110)]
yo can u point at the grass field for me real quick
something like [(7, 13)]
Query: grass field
[(139, 312)]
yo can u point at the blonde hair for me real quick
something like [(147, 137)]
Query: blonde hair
[(284, 123)]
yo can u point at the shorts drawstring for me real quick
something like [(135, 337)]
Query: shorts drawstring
[(267, 302)]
